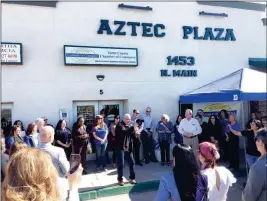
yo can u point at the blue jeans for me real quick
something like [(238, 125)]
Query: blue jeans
[(251, 159), (101, 154), (120, 161)]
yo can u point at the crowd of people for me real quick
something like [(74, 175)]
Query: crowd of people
[(200, 142)]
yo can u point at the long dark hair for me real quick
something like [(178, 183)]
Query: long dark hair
[(78, 120), (116, 116), (58, 127), (225, 112), (217, 121), (186, 172), (16, 123), (13, 130), (177, 122), (30, 128)]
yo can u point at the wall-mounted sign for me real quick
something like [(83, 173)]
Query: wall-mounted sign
[(178, 73), (122, 28), (181, 60), (100, 56), (11, 53), (64, 115), (209, 33)]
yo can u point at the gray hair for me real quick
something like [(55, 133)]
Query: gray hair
[(148, 108), (189, 111), (38, 120), (165, 117), (127, 115)]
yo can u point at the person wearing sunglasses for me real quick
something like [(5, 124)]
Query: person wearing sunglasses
[(256, 183), (46, 122), (147, 138), (100, 133), (252, 154), (138, 125), (124, 134)]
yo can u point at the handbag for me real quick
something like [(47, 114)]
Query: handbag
[(89, 148)]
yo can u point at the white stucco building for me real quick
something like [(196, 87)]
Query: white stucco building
[(43, 85)]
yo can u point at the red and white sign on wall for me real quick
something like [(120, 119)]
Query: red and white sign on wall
[(11, 53)]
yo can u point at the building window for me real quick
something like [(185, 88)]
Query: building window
[(6, 117)]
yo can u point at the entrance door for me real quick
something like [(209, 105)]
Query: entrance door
[(6, 118), (111, 108), (86, 109), (89, 109)]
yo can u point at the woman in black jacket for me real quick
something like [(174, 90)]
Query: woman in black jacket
[(63, 137), (253, 117), (215, 133), (178, 139)]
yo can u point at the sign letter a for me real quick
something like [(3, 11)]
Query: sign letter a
[(104, 26)]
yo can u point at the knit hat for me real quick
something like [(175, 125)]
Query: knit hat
[(209, 151)]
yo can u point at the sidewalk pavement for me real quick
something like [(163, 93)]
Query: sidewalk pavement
[(104, 184), (94, 180)]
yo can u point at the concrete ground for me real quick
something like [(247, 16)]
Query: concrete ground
[(94, 180), (148, 172), (234, 194)]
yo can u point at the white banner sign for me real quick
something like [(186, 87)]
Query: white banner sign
[(100, 56), (64, 114), (11, 53), (214, 108)]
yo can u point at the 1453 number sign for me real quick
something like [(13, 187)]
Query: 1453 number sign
[(181, 60)]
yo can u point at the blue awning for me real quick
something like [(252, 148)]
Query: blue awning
[(243, 85), (258, 62)]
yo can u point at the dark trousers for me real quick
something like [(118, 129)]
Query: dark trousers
[(120, 155), (148, 146), (113, 156), (223, 148), (68, 152), (107, 157), (136, 149), (164, 151), (111, 147), (81, 149), (101, 154), (233, 151)]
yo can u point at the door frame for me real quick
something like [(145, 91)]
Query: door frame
[(113, 102), (82, 103), (98, 106), (8, 106)]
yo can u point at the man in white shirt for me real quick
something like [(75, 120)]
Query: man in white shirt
[(147, 137), (190, 129)]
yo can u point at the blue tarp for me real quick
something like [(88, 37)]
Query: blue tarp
[(243, 85)]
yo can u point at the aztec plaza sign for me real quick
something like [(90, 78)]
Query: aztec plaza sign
[(123, 28)]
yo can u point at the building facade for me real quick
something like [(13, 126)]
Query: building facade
[(167, 50)]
